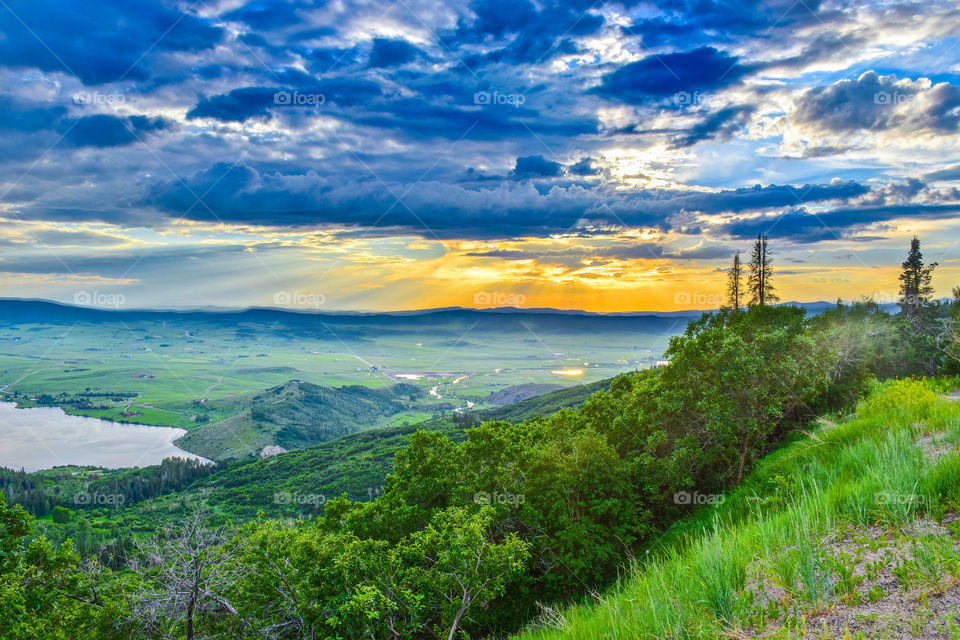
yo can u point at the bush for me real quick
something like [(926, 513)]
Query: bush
[(61, 515)]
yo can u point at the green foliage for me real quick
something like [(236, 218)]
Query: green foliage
[(759, 285), (300, 414), (916, 289), (586, 488), (904, 400), (692, 585), (474, 528), (61, 515), (313, 582), (42, 491), (43, 591)]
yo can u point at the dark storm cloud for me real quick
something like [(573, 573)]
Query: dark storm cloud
[(660, 76), (417, 118), (241, 194), (109, 131), (28, 118), (401, 104), (392, 53), (742, 200), (950, 173), (237, 106), (536, 166), (800, 225), (687, 22), (266, 14), (525, 34), (99, 130), (583, 167), (721, 125), (120, 37), (245, 103)]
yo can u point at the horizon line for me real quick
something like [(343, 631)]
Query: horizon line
[(319, 311)]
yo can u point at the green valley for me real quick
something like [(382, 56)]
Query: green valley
[(778, 474)]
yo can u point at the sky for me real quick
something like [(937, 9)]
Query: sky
[(407, 154)]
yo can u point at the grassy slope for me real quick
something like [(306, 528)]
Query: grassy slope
[(830, 535)]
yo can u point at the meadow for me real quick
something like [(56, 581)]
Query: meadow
[(188, 369)]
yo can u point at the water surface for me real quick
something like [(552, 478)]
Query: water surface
[(44, 437)]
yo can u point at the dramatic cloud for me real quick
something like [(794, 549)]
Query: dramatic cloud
[(240, 194), (656, 132), (800, 225), (881, 103), (121, 39), (392, 53), (675, 75)]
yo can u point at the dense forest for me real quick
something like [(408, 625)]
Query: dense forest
[(472, 538), (42, 493)]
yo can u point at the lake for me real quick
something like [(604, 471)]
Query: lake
[(45, 437)]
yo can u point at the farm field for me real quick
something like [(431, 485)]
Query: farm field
[(197, 369)]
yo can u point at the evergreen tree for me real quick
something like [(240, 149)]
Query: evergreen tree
[(915, 287), (734, 283), (759, 286)]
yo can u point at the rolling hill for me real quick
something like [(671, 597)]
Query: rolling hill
[(300, 414), (355, 464)]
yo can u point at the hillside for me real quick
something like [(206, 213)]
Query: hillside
[(810, 526), (850, 531), (520, 392), (355, 464), (300, 414), (196, 369)]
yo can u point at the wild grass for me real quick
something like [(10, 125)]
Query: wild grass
[(866, 471)]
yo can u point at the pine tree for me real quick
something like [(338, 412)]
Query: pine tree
[(759, 286), (735, 284), (915, 287)]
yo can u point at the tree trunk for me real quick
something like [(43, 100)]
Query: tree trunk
[(456, 619)]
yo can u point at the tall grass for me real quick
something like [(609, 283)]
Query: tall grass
[(867, 470)]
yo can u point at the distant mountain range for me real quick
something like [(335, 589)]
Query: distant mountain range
[(27, 310)]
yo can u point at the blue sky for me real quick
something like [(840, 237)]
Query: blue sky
[(387, 155)]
